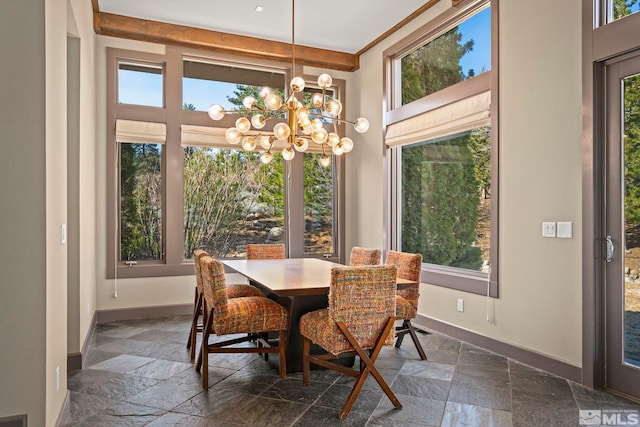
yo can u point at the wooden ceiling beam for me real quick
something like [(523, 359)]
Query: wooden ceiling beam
[(159, 32)]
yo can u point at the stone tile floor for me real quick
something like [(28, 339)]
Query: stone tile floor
[(138, 373)]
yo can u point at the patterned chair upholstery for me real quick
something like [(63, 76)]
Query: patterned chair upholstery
[(265, 251), (364, 256), (253, 316), (233, 291), (409, 267), (359, 320)]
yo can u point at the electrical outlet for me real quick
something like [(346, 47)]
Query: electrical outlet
[(460, 305)]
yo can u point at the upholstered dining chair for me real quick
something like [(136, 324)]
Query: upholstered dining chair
[(252, 316), (359, 320), (265, 251), (409, 267), (364, 256), (233, 291)]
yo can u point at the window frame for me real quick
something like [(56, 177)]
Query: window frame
[(449, 277), (173, 115)]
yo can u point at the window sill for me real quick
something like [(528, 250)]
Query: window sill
[(474, 282)]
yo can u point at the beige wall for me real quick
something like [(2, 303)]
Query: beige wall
[(34, 262), (540, 180), (56, 206), (82, 179), (22, 213)]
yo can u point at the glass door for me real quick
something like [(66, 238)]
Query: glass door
[(622, 285)]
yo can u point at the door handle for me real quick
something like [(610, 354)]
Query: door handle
[(609, 256)]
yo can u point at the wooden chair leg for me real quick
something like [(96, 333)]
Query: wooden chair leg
[(416, 341), (369, 367), (401, 332), (194, 326), (305, 360), (204, 350), (194, 320), (407, 328), (206, 328)]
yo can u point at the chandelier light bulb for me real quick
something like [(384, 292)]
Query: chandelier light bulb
[(333, 139), (301, 144), (297, 84), (303, 114), (273, 102), (305, 123), (361, 125), (233, 136), (334, 107), (249, 143), (266, 157), (281, 131), (347, 144), (319, 136), (337, 149), (264, 91), (288, 153), (324, 81), (317, 100), (249, 102), (317, 123), (324, 161), (243, 124), (265, 142), (216, 111), (307, 128), (258, 121)]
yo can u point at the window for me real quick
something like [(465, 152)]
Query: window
[(205, 82), (446, 200), (140, 202), (462, 52), (176, 184), (231, 199), (318, 207), (617, 9), (140, 84), (441, 152)]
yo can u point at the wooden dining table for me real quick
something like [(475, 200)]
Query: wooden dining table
[(301, 285)]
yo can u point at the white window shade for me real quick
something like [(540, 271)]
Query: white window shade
[(140, 132), (208, 136), (460, 116)]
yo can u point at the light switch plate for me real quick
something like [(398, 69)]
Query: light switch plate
[(548, 229), (565, 230)]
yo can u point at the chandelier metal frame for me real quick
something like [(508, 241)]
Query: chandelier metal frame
[(305, 123)]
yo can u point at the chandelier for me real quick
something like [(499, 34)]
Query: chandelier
[(305, 121)]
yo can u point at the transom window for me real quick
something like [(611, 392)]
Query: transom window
[(617, 9)]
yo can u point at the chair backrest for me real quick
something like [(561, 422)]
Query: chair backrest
[(409, 267), (265, 251), (197, 255), (215, 286), (363, 298), (364, 256)]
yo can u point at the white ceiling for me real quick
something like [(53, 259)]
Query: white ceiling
[(342, 25)]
